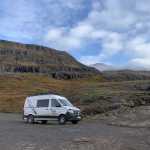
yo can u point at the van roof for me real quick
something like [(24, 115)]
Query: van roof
[(46, 95)]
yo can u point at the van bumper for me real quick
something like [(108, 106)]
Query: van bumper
[(72, 117)]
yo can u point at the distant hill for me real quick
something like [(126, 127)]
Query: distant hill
[(126, 75), (106, 67), (28, 58), (112, 73), (103, 67)]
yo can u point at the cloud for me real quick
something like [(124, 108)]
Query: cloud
[(88, 60), (97, 26), (121, 27), (24, 20), (55, 34), (139, 47), (139, 64), (116, 27), (93, 30), (73, 4), (82, 31), (60, 38)]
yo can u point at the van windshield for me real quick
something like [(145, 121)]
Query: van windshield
[(65, 102)]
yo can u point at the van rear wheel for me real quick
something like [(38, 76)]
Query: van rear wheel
[(30, 119), (62, 119), (44, 121)]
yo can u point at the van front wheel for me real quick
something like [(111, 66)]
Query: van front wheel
[(74, 121), (62, 119), (30, 119)]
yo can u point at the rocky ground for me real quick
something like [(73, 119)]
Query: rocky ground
[(89, 134), (128, 117)]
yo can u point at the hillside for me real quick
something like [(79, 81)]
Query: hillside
[(92, 95), (27, 58), (31, 69)]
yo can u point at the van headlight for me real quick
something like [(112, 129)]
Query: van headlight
[(70, 111)]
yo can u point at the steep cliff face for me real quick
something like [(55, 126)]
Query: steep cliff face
[(27, 58)]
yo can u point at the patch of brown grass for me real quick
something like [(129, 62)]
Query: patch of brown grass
[(91, 95)]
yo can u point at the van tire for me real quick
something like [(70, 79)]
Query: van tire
[(74, 121), (62, 119), (44, 121), (30, 119)]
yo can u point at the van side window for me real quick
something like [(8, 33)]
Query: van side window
[(55, 103), (43, 103)]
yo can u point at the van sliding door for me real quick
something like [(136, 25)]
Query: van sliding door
[(42, 108)]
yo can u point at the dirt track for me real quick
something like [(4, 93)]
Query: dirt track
[(87, 135)]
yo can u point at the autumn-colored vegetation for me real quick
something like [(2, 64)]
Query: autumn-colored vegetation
[(92, 95)]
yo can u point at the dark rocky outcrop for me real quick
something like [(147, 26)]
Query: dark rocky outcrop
[(27, 58)]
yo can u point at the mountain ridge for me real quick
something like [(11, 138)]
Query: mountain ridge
[(30, 58)]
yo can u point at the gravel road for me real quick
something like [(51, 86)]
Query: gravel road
[(87, 135)]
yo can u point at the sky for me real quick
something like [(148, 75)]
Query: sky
[(115, 32)]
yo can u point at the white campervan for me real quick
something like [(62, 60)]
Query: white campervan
[(47, 107)]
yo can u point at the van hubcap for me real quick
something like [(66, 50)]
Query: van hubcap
[(62, 120), (30, 119)]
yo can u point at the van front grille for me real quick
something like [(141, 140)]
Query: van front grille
[(77, 113)]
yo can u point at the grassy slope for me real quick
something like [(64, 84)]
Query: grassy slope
[(92, 95)]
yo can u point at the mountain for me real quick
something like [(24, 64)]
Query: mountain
[(103, 67), (28, 58), (131, 67), (111, 73)]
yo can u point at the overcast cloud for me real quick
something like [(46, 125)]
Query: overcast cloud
[(112, 31)]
